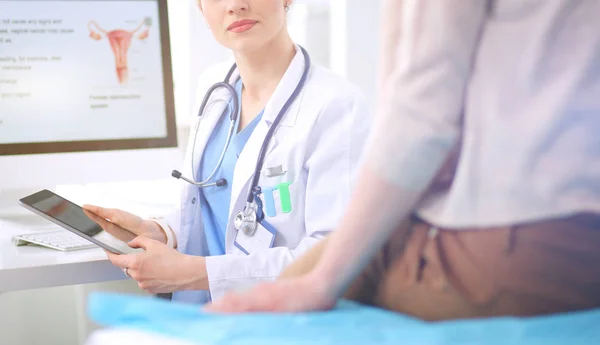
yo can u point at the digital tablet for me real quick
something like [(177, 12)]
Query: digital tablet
[(75, 219)]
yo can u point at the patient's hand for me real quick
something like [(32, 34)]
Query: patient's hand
[(127, 221), (295, 290), (298, 294)]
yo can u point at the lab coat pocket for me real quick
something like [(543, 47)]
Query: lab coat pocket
[(281, 198), (284, 209)]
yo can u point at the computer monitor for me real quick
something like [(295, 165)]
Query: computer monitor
[(86, 93)]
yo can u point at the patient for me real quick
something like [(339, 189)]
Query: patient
[(480, 191)]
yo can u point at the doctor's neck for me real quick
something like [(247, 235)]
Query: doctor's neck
[(263, 68)]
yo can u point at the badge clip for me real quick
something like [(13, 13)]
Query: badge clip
[(274, 171)]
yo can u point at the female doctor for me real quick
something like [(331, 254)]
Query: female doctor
[(287, 156)]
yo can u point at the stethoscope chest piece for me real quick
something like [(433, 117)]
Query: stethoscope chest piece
[(246, 221)]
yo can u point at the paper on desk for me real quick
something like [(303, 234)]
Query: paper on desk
[(348, 324)]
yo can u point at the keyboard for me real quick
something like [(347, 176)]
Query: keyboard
[(56, 239)]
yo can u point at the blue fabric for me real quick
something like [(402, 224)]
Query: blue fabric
[(349, 323), (214, 201)]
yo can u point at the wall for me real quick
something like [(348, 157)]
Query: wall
[(354, 38)]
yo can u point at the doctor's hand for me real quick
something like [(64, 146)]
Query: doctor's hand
[(161, 269), (298, 294), (128, 221)]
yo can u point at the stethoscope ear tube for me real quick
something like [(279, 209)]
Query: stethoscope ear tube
[(235, 100), (226, 84), (233, 114), (219, 183), (278, 118)]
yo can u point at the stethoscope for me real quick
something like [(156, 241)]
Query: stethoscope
[(246, 220)]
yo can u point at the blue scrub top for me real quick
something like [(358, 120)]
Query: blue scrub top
[(214, 201)]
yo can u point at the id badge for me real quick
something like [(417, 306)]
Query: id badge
[(261, 239)]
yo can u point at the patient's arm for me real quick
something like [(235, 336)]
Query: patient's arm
[(361, 290)]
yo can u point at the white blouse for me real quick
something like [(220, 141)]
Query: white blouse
[(515, 83)]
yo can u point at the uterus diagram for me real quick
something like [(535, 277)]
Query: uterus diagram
[(120, 41)]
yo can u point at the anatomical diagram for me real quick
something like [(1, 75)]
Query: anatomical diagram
[(120, 40)]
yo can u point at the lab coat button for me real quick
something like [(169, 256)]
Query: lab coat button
[(193, 200)]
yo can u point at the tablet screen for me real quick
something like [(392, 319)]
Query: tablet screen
[(72, 215)]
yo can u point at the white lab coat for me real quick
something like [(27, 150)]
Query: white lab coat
[(319, 142)]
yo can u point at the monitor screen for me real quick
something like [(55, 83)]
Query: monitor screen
[(84, 75)]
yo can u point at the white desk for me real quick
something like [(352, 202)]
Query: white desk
[(31, 267)]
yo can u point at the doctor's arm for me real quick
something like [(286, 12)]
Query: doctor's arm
[(416, 127), (332, 157)]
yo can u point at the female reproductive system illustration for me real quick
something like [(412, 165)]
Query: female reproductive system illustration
[(120, 40)]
